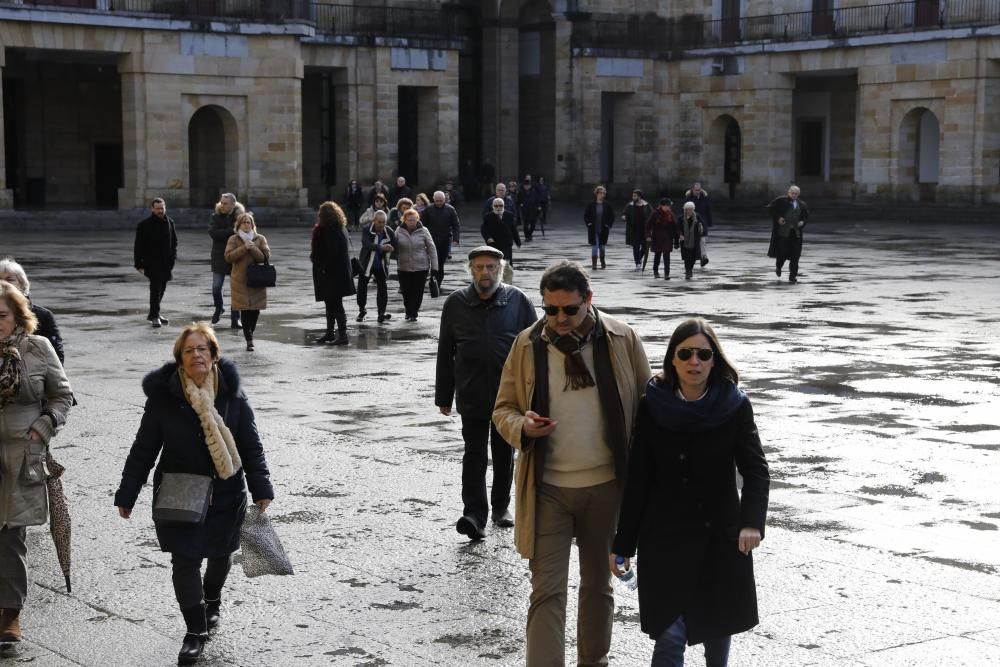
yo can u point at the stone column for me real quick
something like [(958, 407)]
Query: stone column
[(6, 196), (500, 127), (133, 192)]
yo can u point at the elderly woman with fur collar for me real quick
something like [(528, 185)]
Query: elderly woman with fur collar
[(198, 421)]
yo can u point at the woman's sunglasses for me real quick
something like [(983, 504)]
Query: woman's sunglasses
[(552, 311), (704, 353)]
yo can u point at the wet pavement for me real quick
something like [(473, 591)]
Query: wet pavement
[(875, 382)]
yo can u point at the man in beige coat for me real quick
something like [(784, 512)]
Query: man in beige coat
[(572, 428)]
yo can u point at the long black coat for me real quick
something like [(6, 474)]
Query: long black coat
[(501, 233), (220, 229), (331, 264), (47, 328), (682, 507), (777, 209), (155, 248), (170, 430), (607, 222)]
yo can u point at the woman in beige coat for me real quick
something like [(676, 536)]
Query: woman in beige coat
[(35, 397), (244, 248)]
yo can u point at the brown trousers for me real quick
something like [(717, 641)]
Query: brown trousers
[(590, 515)]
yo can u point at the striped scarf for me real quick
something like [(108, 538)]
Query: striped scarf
[(577, 374)]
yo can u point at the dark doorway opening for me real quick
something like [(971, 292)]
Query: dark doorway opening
[(109, 174), (731, 159), (927, 13), (409, 137), (811, 148), (822, 17), (607, 137), (730, 21), (207, 157)]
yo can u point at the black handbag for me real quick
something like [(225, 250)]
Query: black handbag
[(261, 275), (435, 286), (182, 498)]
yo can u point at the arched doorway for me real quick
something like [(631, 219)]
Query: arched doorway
[(212, 153), (919, 153), (723, 158), (536, 89)]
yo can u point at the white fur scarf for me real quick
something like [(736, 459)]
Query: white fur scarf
[(218, 437)]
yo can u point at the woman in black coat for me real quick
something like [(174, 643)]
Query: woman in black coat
[(14, 273), (198, 421), (693, 529), (599, 217), (500, 231), (331, 268)]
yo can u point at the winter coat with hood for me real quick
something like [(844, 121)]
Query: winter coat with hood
[(41, 405), (171, 431), (682, 509), (240, 258), (331, 263), (635, 230), (220, 229), (416, 250)]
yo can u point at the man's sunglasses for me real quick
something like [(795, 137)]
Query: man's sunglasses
[(704, 353), (552, 311)]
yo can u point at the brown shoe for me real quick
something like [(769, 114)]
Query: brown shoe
[(10, 626)]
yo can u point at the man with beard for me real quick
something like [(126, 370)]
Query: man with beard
[(478, 326), (155, 253)]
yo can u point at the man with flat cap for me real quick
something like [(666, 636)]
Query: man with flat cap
[(478, 325)]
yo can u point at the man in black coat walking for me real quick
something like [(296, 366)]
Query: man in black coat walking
[(478, 326), (155, 253), (441, 220), (222, 226), (788, 218)]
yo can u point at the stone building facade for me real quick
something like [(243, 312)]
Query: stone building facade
[(108, 104)]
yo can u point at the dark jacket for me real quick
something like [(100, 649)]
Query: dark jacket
[(529, 204), (635, 231), (398, 193), (702, 205), (662, 229), (376, 190), (508, 205), (606, 222), (170, 430), (681, 507), (370, 248), (47, 328), (354, 198), (777, 209), (442, 223), (220, 229), (692, 237), (475, 339), (155, 248), (501, 233), (331, 263)]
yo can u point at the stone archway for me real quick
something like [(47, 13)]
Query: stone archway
[(212, 155), (723, 156), (918, 154)]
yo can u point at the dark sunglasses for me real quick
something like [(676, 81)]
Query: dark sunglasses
[(704, 353), (552, 311)]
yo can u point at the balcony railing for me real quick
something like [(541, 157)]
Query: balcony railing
[(675, 36), (387, 22)]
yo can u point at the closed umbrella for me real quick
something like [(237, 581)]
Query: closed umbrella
[(59, 521)]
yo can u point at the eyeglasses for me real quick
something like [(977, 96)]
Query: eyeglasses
[(552, 311), (492, 268), (200, 350), (704, 353)]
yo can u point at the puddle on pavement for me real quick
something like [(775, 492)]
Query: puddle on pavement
[(396, 605), (978, 525), (961, 564), (891, 490)]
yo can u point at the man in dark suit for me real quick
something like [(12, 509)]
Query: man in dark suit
[(155, 254)]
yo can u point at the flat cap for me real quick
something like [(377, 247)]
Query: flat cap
[(485, 250)]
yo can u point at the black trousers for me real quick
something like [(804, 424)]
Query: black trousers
[(157, 286), (789, 249), (250, 318), (481, 438), (690, 256), (443, 249), (381, 291), (666, 262), (335, 314), (189, 588), (412, 284), (529, 225)]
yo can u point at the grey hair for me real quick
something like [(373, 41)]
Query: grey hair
[(10, 266), (380, 214), (497, 199), (689, 206), (436, 193), (503, 263)]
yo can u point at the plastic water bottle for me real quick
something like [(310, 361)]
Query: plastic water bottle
[(627, 578)]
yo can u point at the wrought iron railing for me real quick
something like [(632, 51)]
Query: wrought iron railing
[(689, 33), (386, 21)]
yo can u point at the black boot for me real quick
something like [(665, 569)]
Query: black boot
[(329, 337), (212, 608), (197, 635), (593, 263), (217, 315), (604, 264), (341, 338)]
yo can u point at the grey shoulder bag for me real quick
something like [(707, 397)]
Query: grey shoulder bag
[(182, 498)]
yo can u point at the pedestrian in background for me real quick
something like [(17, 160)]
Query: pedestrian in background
[(500, 192), (198, 421), (244, 248), (529, 207), (703, 206), (376, 246), (221, 227), (662, 236), (331, 269), (353, 201), (693, 528), (421, 203), (441, 220), (599, 216), (691, 230), (396, 214), (378, 188), (399, 191), (567, 400), (379, 204), (155, 252), (35, 398), (635, 216), (417, 257), (544, 199), (478, 325), (499, 231), (788, 219), (47, 328)]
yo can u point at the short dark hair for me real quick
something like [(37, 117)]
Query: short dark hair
[(158, 200), (722, 368), (637, 191), (566, 276), (665, 202)]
